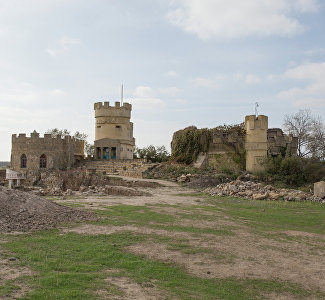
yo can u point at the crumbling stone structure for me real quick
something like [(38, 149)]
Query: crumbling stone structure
[(280, 143), (37, 153), (113, 131), (239, 147)]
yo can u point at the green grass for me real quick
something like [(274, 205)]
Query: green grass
[(7, 288), (266, 215), (73, 266)]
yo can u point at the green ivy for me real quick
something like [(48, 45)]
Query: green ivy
[(189, 142)]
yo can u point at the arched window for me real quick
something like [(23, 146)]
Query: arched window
[(23, 161), (42, 161)]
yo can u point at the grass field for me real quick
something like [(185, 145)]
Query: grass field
[(219, 248)]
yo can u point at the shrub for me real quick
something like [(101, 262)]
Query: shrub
[(294, 170)]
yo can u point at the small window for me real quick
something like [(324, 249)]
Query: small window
[(118, 126), (121, 149), (99, 126), (42, 161), (23, 161)]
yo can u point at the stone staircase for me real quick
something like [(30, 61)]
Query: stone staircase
[(130, 168)]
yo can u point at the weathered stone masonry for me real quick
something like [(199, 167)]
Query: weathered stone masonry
[(36, 153), (113, 131)]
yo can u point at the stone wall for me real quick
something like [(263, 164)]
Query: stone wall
[(130, 168), (280, 143), (60, 153), (233, 148)]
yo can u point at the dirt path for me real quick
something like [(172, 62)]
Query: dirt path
[(243, 255)]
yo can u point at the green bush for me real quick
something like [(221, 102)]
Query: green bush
[(294, 170), (189, 142), (152, 153), (291, 168)]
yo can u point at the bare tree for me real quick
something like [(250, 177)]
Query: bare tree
[(310, 133), (316, 141)]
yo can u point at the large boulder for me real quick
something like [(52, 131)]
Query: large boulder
[(319, 189)]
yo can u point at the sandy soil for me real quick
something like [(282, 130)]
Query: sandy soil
[(131, 290), (244, 255)]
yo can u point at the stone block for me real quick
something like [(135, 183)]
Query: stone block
[(319, 189)]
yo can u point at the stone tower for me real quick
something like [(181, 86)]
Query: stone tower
[(255, 142), (113, 131)]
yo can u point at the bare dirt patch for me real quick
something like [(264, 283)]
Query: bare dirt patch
[(102, 229), (198, 264), (159, 195), (132, 290)]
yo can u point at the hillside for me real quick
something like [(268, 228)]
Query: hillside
[(4, 163)]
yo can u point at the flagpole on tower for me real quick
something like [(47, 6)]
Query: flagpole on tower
[(256, 106), (122, 95)]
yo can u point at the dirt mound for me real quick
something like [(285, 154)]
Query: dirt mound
[(21, 211), (124, 191)]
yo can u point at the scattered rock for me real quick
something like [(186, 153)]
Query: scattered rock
[(259, 196), (258, 191), (183, 178)]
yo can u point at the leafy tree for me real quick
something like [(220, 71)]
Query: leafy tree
[(89, 148), (152, 153), (56, 132), (80, 136)]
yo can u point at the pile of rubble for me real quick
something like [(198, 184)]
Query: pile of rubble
[(89, 190), (80, 182), (21, 211), (258, 191)]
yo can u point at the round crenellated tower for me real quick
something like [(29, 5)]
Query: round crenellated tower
[(113, 131)]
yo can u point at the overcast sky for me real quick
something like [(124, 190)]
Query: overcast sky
[(182, 63)]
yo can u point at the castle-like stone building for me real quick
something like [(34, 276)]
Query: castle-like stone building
[(41, 153), (245, 146), (113, 131), (113, 141)]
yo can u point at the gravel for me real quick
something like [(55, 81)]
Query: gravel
[(21, 212)]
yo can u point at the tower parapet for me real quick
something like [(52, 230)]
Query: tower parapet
[(256, 143)]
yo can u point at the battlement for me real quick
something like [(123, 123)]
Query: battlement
[(35, 137), (105, 105), (252, 122)]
